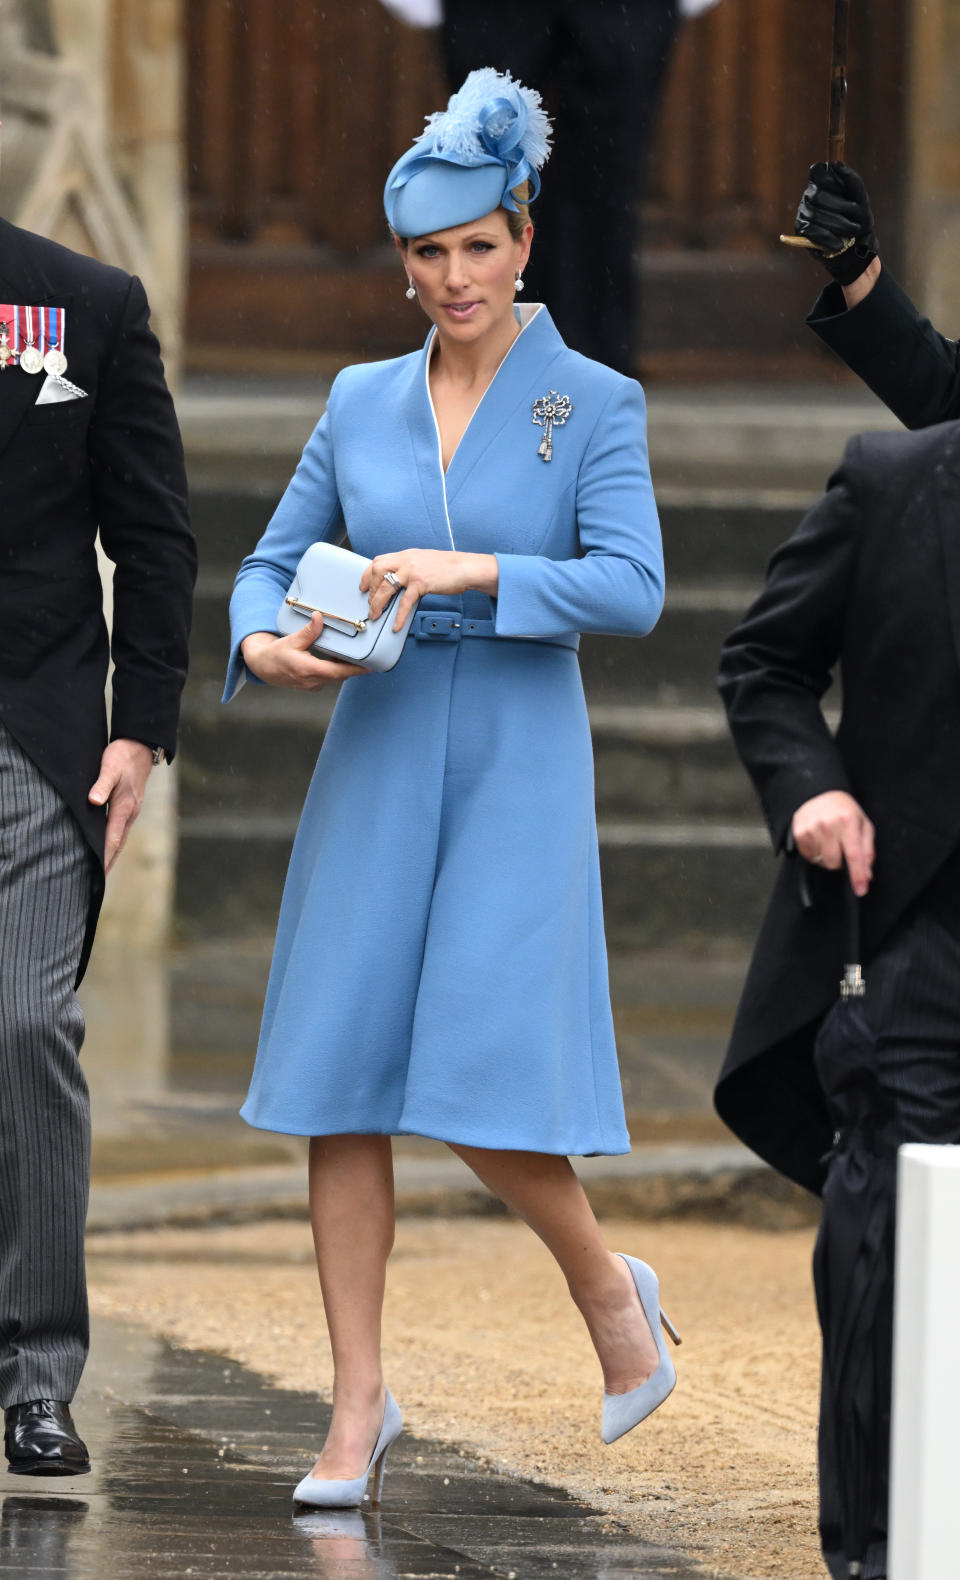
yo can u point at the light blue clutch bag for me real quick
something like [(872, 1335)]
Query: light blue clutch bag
[(328, 580)]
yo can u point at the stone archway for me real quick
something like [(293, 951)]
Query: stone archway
[(90, 96), (90, 100)]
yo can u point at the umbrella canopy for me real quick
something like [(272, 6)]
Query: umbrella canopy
[(853, 1270)]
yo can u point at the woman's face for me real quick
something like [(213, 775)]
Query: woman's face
[(465, 276)]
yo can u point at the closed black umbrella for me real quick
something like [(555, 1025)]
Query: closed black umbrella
[(853, 1271)]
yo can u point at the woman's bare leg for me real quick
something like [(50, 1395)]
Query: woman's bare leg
[(351, 1209), (544, 1191)]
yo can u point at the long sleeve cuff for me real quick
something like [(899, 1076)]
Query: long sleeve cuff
[(600, 593)]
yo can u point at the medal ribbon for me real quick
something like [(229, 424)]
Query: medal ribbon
[(40, 326), (55, 327), (44, 327), (8, 320)]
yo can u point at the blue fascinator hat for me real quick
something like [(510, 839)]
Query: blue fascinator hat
[(493, 136)]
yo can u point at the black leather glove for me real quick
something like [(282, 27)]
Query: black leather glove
[(834, 208)]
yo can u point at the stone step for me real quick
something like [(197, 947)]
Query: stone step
[(681, 885), (260, 752), (726, 532), (675, 664), (672, 1014), (767, 435), (686, 862)]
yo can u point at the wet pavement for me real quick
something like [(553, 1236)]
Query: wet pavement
[(194, 1461)]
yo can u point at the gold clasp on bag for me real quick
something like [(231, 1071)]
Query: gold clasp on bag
[(309, 608)]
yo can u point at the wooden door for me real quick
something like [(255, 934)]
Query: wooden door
[(296, 113)]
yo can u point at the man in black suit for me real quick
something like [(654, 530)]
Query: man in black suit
[(864, 315), (601, 67), (88, 443), (869, 583)]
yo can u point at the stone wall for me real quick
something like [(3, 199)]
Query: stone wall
[(933, 155)]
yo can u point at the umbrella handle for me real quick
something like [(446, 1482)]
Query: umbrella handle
[(852, 984)]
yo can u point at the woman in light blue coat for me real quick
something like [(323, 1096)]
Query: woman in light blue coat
[(440, 967)]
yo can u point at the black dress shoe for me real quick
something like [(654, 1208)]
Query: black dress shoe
[(41, 1440)]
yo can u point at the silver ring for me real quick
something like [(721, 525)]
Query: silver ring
[(818, 860), (394, 581)]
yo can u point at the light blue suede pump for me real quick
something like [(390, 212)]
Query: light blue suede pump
[(350, 1494), (623, 1411)]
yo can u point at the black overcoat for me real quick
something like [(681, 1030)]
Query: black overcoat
[(112, 462), (896, 351), (870, 584)]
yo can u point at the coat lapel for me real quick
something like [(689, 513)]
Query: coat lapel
[(425, 445), (523, 375), (21, 281), (524, 367), (948, 519)]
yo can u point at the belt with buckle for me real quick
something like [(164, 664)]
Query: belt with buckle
[(437, 625)]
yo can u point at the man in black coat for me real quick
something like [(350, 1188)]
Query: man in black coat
[(88, 443), (601, 67), (864, 315), (868, 584)]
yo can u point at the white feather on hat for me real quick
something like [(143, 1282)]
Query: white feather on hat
[(483, 113)]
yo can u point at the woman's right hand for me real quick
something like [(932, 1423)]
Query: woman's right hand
[(287, 660)]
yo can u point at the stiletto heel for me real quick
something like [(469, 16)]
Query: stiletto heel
[(623, 1411), (670, 1328), (320, 1494), (379, 1471)]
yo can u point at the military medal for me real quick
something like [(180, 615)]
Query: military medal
[(31, 357), (550, 411), (36, 341), (55, 362)]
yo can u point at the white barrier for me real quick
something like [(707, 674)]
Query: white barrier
[(925, 1468)]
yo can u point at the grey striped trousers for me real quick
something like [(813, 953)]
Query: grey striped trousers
[(45, 888)]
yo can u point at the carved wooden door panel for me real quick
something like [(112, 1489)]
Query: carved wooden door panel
[(296, 113)]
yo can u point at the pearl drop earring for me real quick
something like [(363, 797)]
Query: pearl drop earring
[(411, 290), (518, 282)]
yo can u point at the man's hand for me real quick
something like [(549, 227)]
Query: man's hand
[(833, 828), (834, 210), (124, 771)]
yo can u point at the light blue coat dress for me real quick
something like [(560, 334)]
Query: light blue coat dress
[(440, 966)]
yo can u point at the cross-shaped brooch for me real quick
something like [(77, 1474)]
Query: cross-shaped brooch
[(550, 411)]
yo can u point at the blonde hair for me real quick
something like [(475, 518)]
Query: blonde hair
[(518, 222)]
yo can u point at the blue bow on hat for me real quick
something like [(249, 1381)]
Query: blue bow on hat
[(493, 136)]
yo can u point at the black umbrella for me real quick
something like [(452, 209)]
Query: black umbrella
[(853, 1270)]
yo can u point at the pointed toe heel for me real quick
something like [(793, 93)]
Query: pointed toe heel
[(623, 1411), (318, 1494)]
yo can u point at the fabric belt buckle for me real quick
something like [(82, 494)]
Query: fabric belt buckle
[(436, 627)]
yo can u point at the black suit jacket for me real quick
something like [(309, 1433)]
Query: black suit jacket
[(869, 583), (112, 462), (895, 350)]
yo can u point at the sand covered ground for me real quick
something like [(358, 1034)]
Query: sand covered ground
[(484, 1349)]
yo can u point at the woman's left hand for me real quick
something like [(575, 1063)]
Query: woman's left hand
[(422, 571)]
